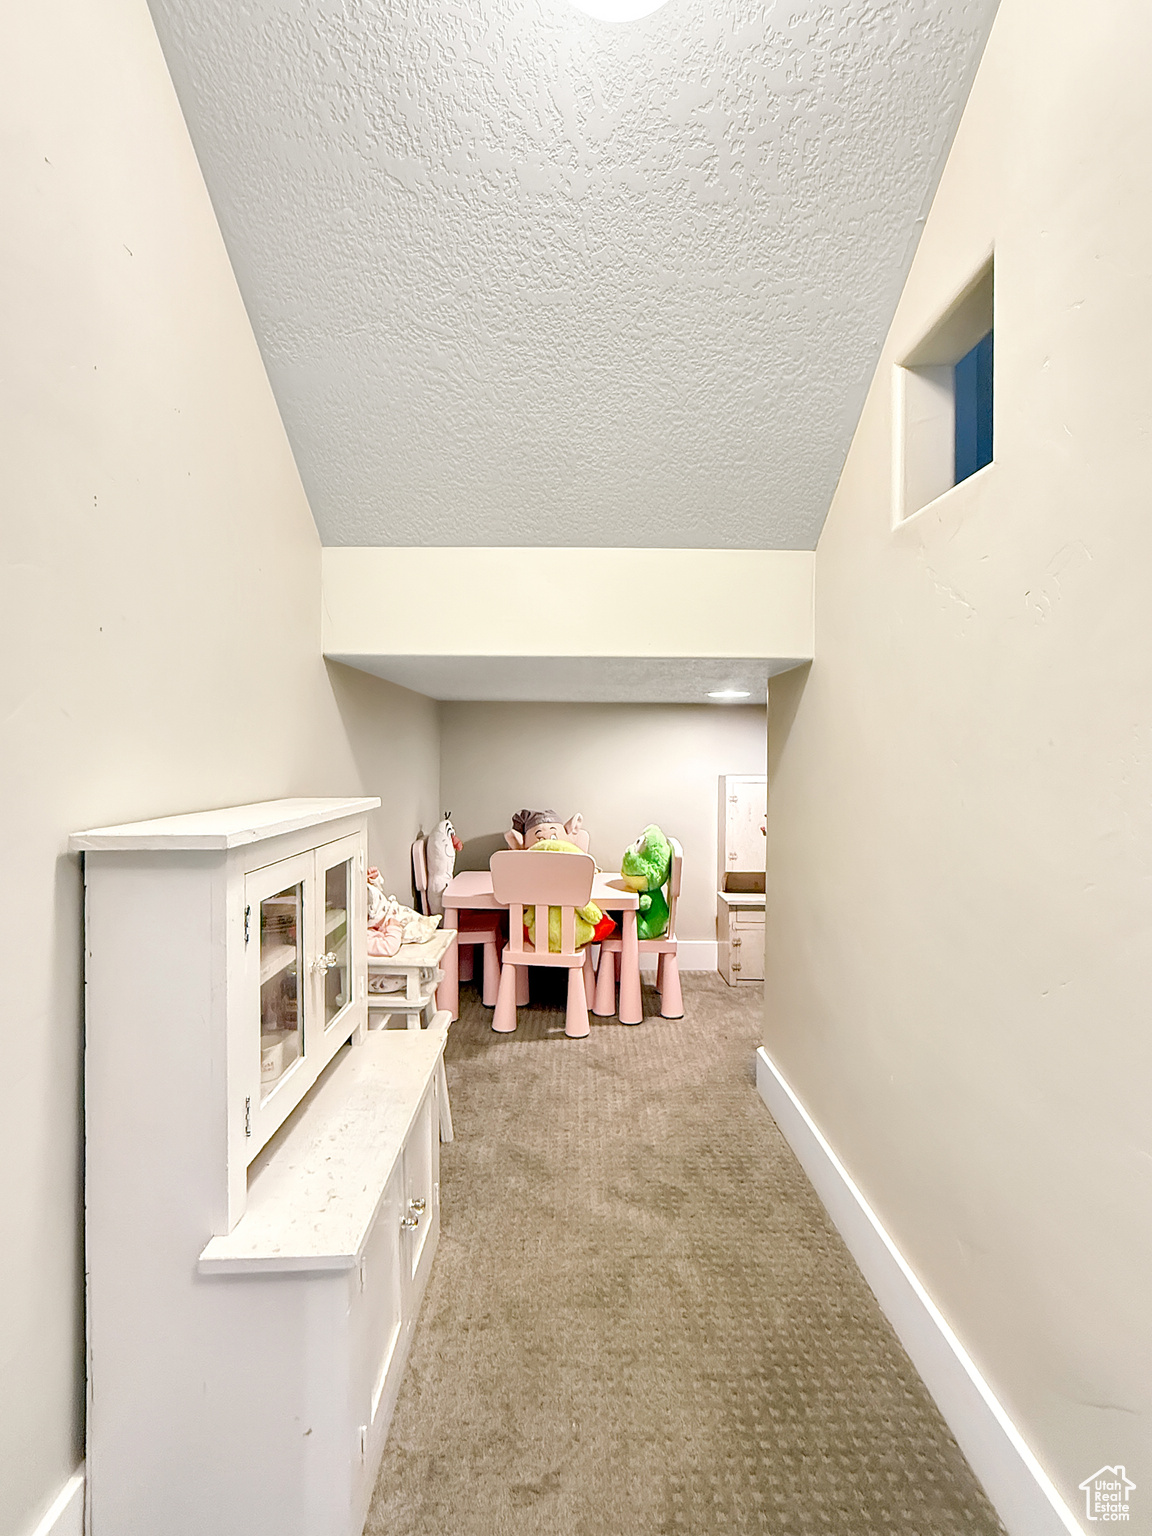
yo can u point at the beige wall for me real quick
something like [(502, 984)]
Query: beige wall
[(394, 739), (960, 945), (622, 765), (587, 602), (159, 619)]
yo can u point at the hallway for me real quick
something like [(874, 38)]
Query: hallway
[(640, 1321)]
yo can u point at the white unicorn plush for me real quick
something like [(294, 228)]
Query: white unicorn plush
[(440, 852)]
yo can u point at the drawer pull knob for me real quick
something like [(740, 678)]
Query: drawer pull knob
[(417, 1205), (409, 1223)]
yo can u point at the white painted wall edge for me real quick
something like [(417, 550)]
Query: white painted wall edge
[(1020, 1490), (568, 602), (691, 955), (65, 1515)]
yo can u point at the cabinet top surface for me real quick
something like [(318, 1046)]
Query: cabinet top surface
[(228, 828), (315, 1188)]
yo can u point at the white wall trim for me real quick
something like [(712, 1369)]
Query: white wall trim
[(692, 955), (65, 1515), (1019, 1488)]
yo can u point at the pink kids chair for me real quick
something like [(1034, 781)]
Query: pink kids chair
[(476, 928), (543, 880), (667, 966)]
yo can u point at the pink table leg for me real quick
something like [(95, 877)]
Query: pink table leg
[(631, 1010), (604, 1001), (448, 992)]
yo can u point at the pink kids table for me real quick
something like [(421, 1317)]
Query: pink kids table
[(471, 890)]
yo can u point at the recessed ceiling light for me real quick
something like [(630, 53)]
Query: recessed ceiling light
[(618, 10), (730, 693)]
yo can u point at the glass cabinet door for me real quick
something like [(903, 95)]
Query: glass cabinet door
[(304, 937), (337, 956), (282, 997), (340, 880), (280, 1009)]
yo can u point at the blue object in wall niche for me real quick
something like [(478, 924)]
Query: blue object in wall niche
[(973, 389)]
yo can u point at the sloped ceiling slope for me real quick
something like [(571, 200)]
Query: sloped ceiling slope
[(524, 277)]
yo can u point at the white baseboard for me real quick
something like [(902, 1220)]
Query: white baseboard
[(692, 955), (1018, 1487), (65, 1515)]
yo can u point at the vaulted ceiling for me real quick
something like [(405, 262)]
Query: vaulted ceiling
[(524, 277)]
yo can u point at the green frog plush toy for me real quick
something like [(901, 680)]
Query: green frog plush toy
[(645, 867)]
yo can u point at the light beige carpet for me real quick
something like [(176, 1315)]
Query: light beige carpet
[(640, 1321)]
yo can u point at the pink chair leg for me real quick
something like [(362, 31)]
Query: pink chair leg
[(504, 1019), (671, 1001), (448, 992), (522, 986), (491, 975), (631, 1008), (605, 1001), (467, 960), (576, 1025), (589, 977), (660, 959)]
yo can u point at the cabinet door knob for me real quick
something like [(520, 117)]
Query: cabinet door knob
[(409, 1222), (325, 962), (417, 1205)]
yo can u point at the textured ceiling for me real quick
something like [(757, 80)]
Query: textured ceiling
[(575, 679), (524, 277)]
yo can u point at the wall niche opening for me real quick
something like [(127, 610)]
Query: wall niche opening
[(943, 400)]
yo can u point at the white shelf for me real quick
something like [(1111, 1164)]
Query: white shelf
[(314, 1190), (228, 828), (399, 1002), (280, 956), (428, 954), (414, 962), (275, 960)]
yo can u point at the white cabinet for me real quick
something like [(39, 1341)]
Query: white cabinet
[(742, 823), (262, 1176), (742, 843), (740, 930), (337, 1284)]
